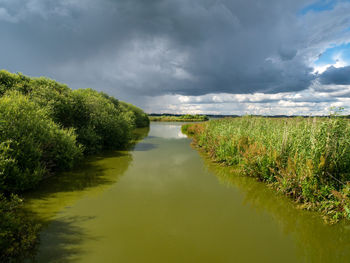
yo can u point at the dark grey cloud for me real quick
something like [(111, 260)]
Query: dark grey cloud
[(287, 53), (339, 76), (135, 48)]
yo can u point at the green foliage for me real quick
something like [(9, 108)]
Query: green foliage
[(32, 144), (135, 116), (138, 116), (306, 159), (45, 127), (98, 123), (17, 82), (54, 96), (18, 234), (99, 120)]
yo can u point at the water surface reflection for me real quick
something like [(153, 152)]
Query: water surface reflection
[(315, 240), (167, 130)]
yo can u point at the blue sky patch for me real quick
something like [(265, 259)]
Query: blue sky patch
[(331, 55), (320, 6)]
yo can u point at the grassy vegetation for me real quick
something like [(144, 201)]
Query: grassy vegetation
[(307, 159), (46, 127), (184, 118)]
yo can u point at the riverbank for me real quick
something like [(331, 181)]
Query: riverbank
[(305, 159), (181, 118), (47, 128)]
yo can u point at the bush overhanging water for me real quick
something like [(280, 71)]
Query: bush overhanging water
[(46, 127)]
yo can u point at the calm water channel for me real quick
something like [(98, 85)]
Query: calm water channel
[(163, 202)]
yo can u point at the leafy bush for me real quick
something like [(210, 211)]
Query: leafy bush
[(32, 144), (14, 82), (138, 116), (44, 128), (18, 234), (98, 123), (54, 96)]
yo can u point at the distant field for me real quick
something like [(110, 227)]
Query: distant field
[(307, 159), (184, 118)]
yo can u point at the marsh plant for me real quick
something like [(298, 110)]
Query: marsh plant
[(307, 159)]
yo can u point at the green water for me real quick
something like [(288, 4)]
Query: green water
[(163, 202)]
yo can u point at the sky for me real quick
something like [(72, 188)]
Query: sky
[(269, 57)]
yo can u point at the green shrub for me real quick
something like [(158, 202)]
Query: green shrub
[(32, 144), (100, 121), (54, 96), (14, 82), (99, 125), (18, 233), (44, 128), (138, 116)]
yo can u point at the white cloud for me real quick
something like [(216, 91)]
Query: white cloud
[(339, 62), (316, 100)]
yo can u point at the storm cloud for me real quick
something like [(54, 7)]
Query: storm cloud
[(137, 50), (334, 75)]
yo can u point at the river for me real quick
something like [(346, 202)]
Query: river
[(164, 202)]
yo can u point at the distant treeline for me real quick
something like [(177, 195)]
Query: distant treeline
[(216, 116), (179, 118), (307, 159), (46, 127)]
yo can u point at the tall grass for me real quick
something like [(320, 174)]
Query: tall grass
[(307, 159)]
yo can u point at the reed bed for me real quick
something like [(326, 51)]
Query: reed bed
[(307, 159)]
